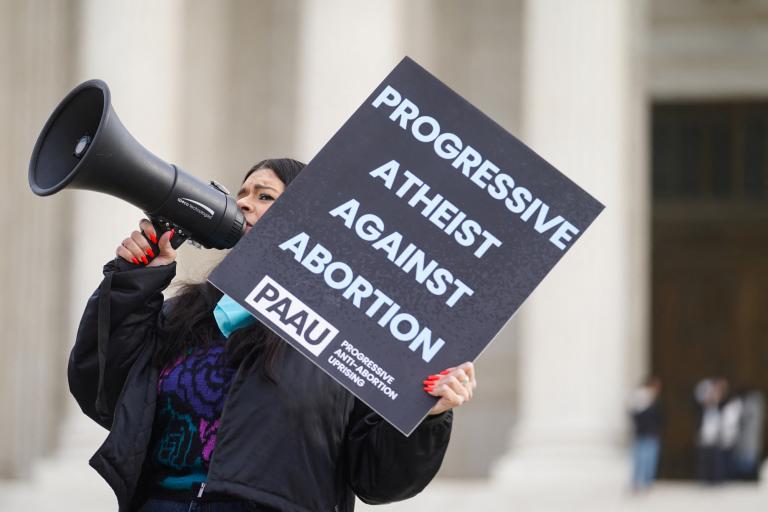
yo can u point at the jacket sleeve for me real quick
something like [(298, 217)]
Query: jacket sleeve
[(119, 318), (384, 465)]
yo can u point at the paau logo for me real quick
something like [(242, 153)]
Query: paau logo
[(294, 318)]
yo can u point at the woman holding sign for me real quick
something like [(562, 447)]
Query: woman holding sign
[(209, 410)]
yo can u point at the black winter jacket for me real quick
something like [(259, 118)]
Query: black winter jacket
[(302, 444)]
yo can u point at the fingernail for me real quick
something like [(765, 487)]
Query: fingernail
[(433, 377), (445, 372), (428, 389), (153, 237), (427, 382), (173, 232), (150, 253), (135, 261), (144, 259)]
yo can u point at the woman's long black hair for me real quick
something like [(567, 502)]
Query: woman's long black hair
[(189, 324)]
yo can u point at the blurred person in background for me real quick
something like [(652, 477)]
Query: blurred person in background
[(748, 447), (710, 394), (730, 431), (647, 419)]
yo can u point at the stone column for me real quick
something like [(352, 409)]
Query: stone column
[(582, 331), (36, 41), (238, 93), (347, 47), (135, 48), (475, 49)]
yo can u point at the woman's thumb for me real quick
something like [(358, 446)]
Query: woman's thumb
[(164, 243)]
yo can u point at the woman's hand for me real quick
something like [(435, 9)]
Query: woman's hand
[(453, 386), (137, 250)]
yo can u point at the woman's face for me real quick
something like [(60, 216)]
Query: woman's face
[(257, 194)]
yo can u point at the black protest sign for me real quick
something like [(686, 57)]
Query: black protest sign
[(406, 244)]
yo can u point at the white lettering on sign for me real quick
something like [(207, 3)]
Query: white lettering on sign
[(370, 227), (483, 173), (291, 315), (359, 290)]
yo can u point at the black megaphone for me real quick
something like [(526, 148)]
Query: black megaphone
[(84, 145)]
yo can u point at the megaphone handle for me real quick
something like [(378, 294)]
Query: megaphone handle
[(162, 225)]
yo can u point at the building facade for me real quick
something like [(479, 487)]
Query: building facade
[(216, 86)]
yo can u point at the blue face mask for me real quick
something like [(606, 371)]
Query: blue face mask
[(231, 316)]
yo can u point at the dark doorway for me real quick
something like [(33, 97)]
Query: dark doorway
[(709, 258)]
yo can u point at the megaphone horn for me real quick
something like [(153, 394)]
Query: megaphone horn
[(83, 145)]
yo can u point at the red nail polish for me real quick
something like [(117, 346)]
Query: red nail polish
[(153, 237), (173, 232), (445, 372), (135, 261), (433, 377), (144, 259), (150, 253), (427, 389)]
